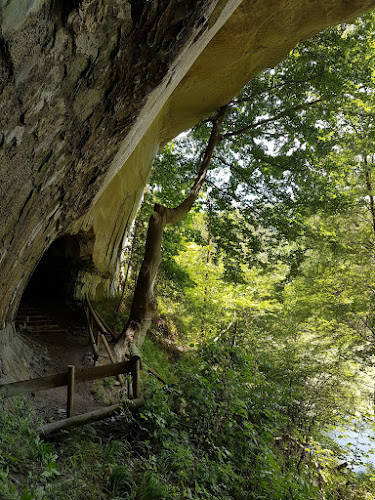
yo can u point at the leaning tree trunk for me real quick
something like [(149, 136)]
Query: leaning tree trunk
[(144, 303)]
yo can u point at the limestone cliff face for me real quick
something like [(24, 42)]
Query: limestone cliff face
[(89, 91)]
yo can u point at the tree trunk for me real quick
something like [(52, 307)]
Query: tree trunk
[(205, 293), (144, 303), (128, 266), (370, 192)]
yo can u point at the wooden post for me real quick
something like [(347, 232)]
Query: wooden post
[(129, 389), (120, 378), (136, 376), (92, 338), (69, 408)]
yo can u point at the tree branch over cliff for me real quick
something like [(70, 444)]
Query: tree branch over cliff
[(271, 119), (144, 303)]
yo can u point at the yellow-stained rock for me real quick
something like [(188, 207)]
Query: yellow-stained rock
[(258, 34), (89, 94)]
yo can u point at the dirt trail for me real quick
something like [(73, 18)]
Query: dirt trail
[(58, 337)]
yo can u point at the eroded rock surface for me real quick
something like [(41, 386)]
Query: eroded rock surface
[(89, 91)]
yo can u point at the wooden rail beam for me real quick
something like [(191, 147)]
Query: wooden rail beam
[(34, 385), (61, 379), (120, 378), (86, 418), (101, 324), (70, 396), (107, 328), (91, 334)]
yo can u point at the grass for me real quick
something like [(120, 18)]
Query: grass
[(155, 358)]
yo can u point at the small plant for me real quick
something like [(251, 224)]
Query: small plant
[(152, 488), (121, 481)]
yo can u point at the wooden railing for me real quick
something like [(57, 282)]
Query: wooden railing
[(98, 330), (69, 379)]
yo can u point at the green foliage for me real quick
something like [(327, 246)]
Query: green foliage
[(27, 464), (270, 280), (121, 481), (152, 488), (214, 433), (154, 356), (289, 146)]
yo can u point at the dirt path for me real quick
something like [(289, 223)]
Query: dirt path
[(58, 337)]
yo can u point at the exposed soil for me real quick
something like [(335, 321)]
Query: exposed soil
[(58, 337)]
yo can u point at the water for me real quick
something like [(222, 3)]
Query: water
[(358, 439)]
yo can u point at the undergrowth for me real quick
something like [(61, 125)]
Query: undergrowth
[(208, 433)]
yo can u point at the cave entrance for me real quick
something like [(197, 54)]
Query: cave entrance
[(54, 278)]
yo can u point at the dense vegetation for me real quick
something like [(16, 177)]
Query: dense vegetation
[(265, 331)]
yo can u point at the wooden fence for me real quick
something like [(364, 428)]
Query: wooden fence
[(98, 331)]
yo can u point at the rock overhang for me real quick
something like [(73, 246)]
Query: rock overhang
[(82, 118)]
